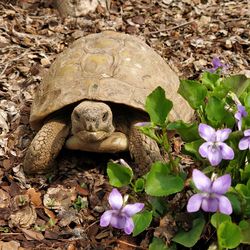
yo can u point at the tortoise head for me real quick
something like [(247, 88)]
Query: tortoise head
[(92, 121)]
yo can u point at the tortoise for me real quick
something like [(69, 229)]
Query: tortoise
[(92, 97)]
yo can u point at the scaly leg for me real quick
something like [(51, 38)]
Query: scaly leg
[(45, 147), (144, 150)]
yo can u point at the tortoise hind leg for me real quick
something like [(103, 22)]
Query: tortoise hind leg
[(45, 146), (144, 150)]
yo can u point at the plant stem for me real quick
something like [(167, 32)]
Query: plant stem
[(166, 146)]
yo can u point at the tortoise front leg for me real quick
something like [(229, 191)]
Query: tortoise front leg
[(45, 147), (144, 150)]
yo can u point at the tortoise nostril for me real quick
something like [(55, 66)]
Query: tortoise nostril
[(105, 116)]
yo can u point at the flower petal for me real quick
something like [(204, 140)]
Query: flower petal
[(115, 199), (222, 134), (242, 110), (239, 124), (244, 143), (203, 149), (201, 181), (214, 155), (216, 63), (194, 203), (221, 184), (247, 132), (106, 218), (210, 204), (206, 132), (129, 226), (132, 209), (225, 206), (118, 221), (237, 115), (226, 151)]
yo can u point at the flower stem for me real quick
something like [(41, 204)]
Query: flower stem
[(167, 147)]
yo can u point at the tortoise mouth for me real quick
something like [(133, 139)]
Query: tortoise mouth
[(91, 136)]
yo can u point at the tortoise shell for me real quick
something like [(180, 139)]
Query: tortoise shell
[(107, 66)]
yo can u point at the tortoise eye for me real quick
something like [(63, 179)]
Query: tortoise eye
[(77, 116), (105, 116)]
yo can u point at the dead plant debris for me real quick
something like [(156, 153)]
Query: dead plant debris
[(63, 213)]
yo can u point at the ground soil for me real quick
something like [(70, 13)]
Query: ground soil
[(188, 34)]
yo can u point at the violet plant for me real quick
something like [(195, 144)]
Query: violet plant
[(218, 141), (210, 198), (120, 216)]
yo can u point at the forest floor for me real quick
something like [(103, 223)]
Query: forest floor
[(188, 34)]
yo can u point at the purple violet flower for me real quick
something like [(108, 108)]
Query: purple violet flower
[(217, 64), (211, 198), (120, 214), (241, 112), (245, 141), (214, 149)]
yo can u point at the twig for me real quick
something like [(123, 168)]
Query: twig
[(6, 66), (172, 28), (7, 234), (131, 245)]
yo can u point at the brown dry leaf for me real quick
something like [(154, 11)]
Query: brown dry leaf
[(177, 144), (4, 199), (69, 216), (32, 235), (24, 217), (167, 228), (71, 246), (10, 245), (59, 198), (82, 191), (51, 215), (35, 197)]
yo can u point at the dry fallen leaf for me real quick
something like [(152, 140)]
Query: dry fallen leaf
[(32, 235), (24, 217), (51, 215), (35, 197), (59, 198), (4, 199), (10, 245)]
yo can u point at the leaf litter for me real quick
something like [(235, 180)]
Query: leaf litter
[(63, 213)]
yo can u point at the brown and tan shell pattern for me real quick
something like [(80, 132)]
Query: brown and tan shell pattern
[(107, 66)]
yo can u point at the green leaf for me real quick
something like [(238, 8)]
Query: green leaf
[(158, 204), (237, 83), (245, 229), (193, 92), (247, 100), (188, 132), (159, 181), (216, 113), (119, 175), (236, 204), (220, 91), (189, 239), (158, 106), (218, 218), (149, 131), (229, 235), (243, 190), (158, 244), (209, 79), (193, 148), (245, 174), (139, 185), (142, 221)]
